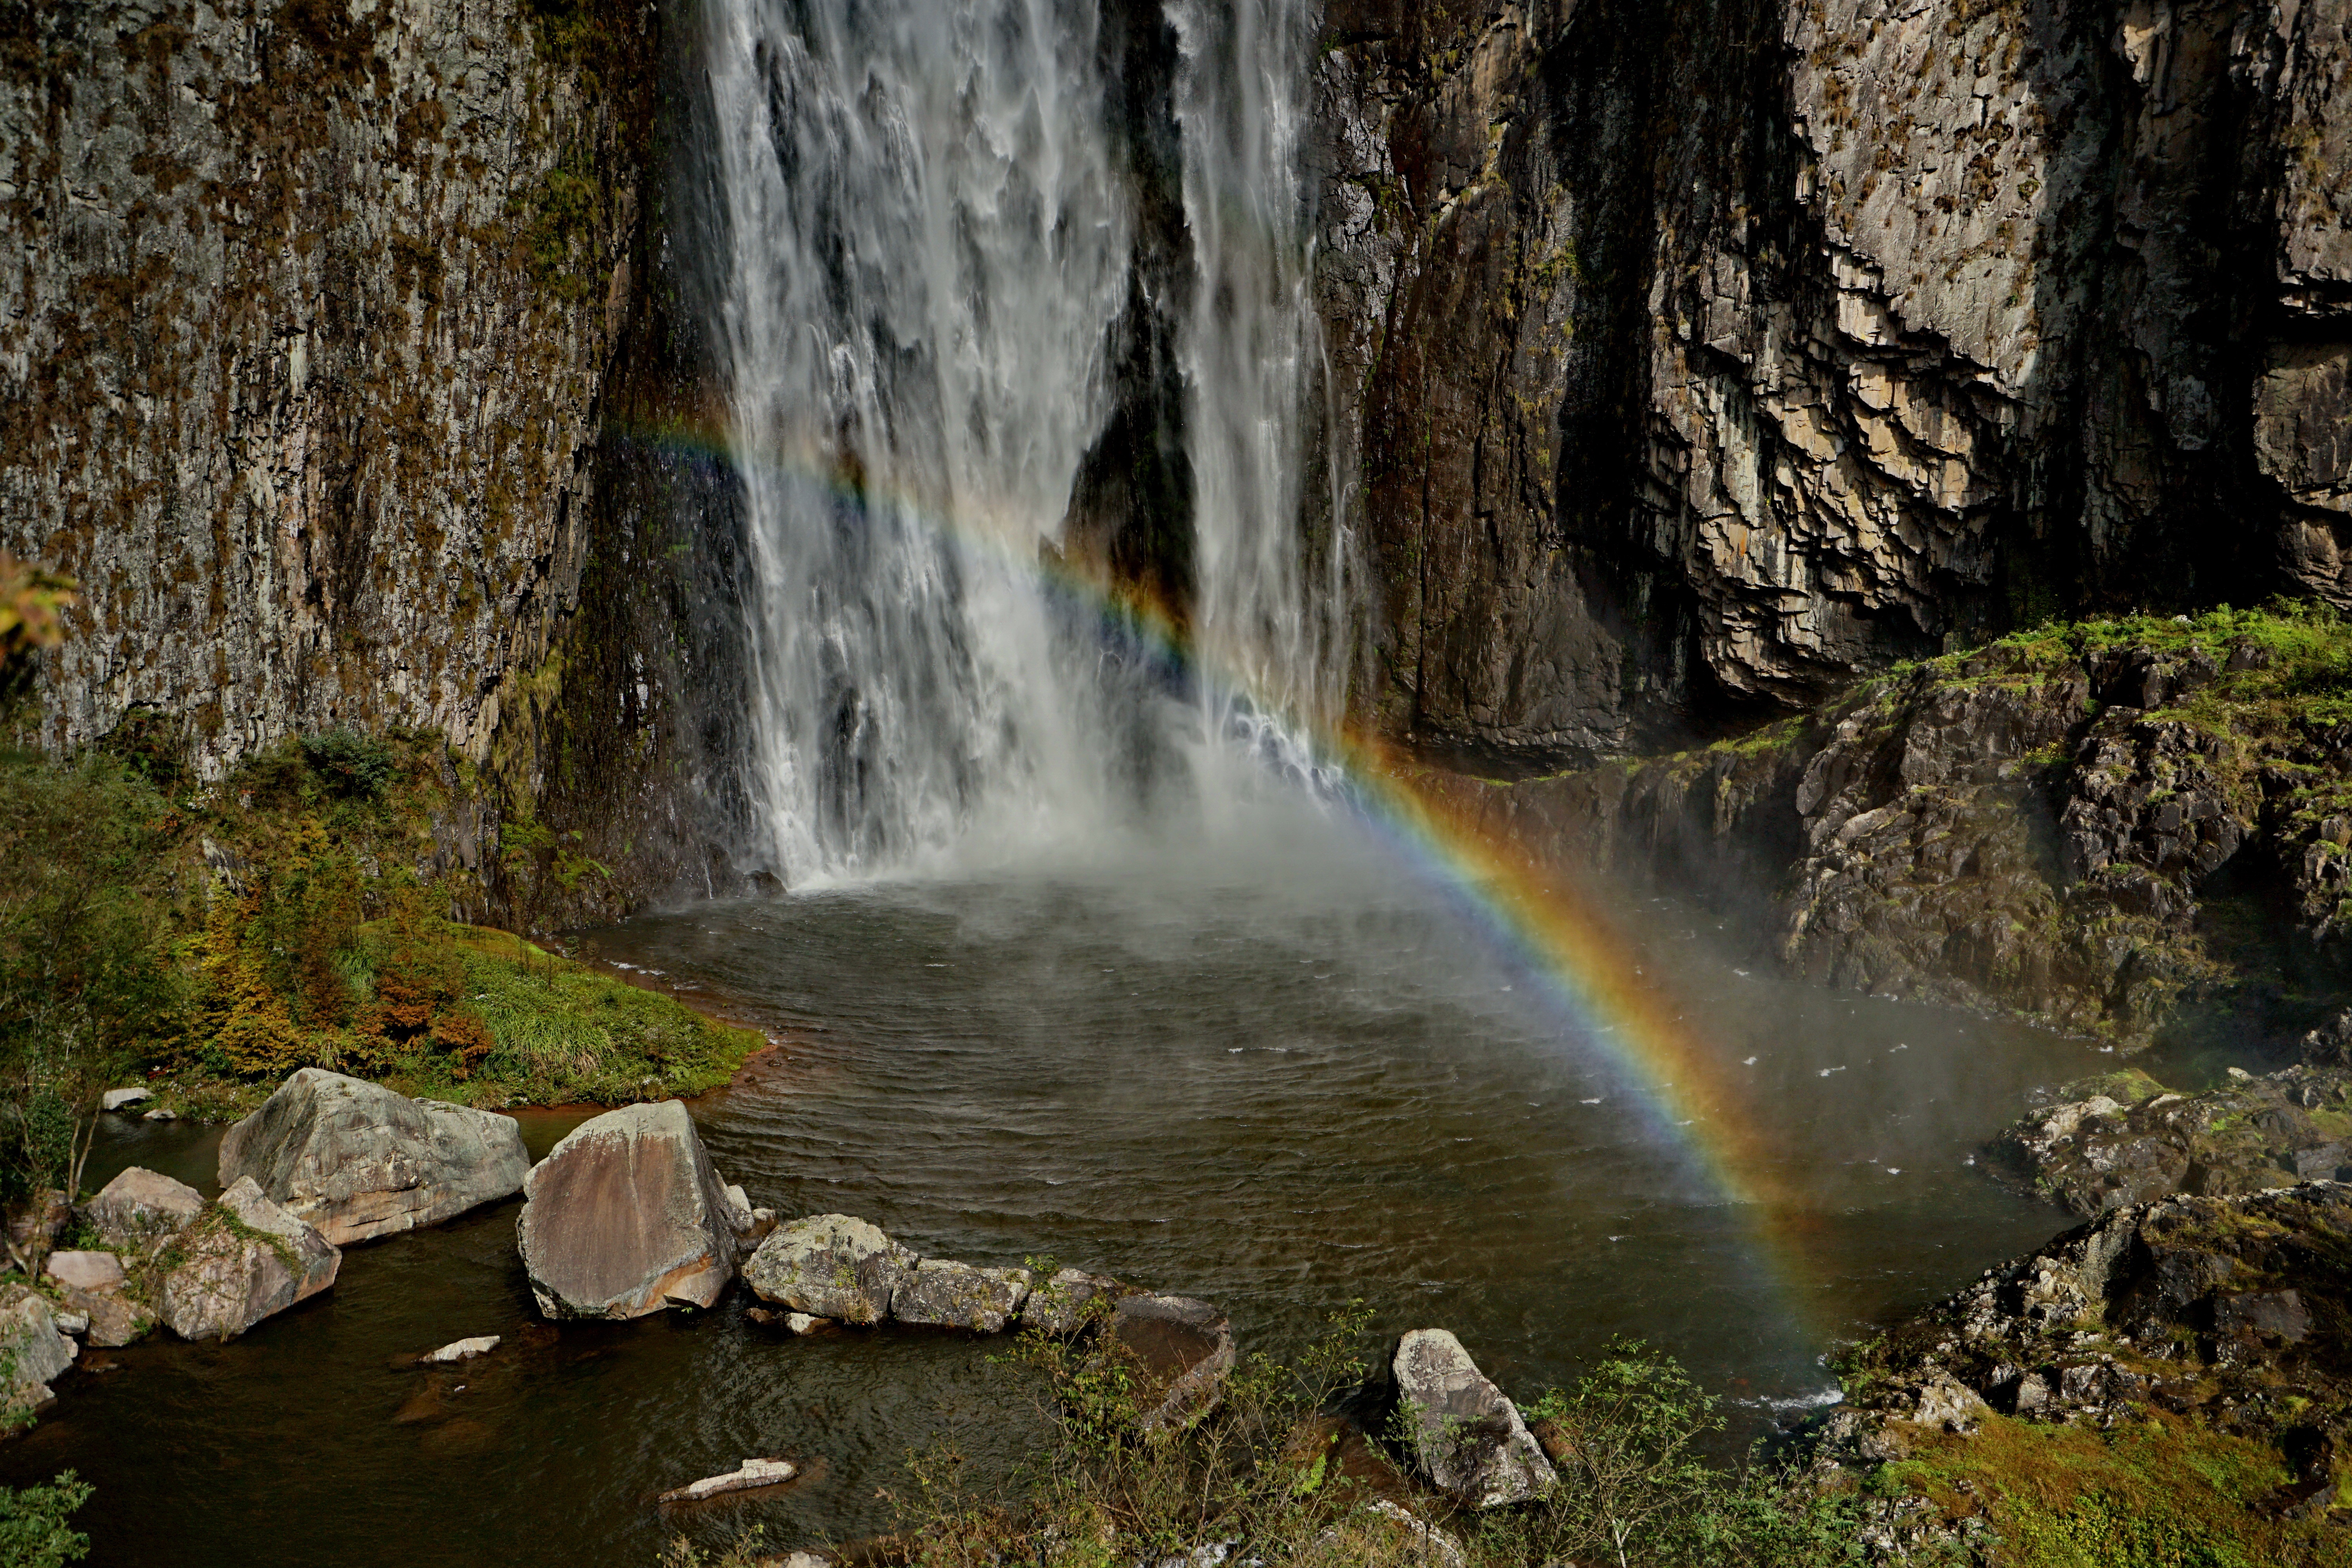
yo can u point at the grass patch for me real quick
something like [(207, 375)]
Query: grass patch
[(2159, 1492)]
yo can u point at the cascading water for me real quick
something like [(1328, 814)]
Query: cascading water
[(927, 247)]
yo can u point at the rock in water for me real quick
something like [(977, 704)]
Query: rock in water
[(123, 1099), (243, 1261), (459, 1350), (950, 1295), (752, 1473), (358, 1161), (1184, 1349), (93, 1285), (626, 1216), (830, 1265), (32, 1352), (1468, 1437), (1059, 1306), (141, 1207)]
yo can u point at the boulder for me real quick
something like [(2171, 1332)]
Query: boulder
[(357, 1161), (123, 1099), (1059, 1306), (626, 1216), (246, 1259), (1467, 1436), (141, 1207), (752, 1473), (949, 1295), (459, 1350), (830, 1265), (1183, 1348), (94, 1287), (32, 1350)]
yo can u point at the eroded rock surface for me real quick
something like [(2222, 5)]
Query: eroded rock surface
[(33, 1349), (1467, 1436), (946, 1294), (359, 1161), (1063, 1304), (244, 1259), (830, 1265), (2232, 1310), (94, 1285), (626, 1216)]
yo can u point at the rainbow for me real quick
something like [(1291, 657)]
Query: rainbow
[(1527, 903)]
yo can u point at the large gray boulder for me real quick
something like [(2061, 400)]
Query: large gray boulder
[(830, 1265), (358, 1161), (626, 1216), (945, 1294), (246, 1259), (32, 1350), (1468, 1437), (140, 1208), (1182, 1349)]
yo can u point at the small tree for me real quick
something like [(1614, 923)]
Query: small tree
[(1626, 1445)]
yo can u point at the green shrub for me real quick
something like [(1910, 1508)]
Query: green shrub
[(33, 1529)]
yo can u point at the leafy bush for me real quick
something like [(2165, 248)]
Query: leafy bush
[(33, 1532), (351, 765)]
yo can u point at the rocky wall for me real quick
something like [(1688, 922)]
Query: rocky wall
[(1697, 356), (335, 361)]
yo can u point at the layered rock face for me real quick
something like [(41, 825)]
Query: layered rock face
[(329, 367), (1697, 356), (2045, 827)]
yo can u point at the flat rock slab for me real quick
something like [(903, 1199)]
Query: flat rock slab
[(626, 1216), (830, 1265), (357, 1161), (752, 1473), (141, 1207), (122, 1099), (246, 1259), (1183, 1348), (459, 1350), (1061, 1305), (949, 1295), (1467, 1436)]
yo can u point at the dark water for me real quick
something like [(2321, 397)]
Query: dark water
[(1280, 1077)]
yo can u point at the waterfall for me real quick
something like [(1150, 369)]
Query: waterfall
[(926, 246)]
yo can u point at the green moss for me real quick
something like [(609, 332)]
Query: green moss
[(2158, 1491)]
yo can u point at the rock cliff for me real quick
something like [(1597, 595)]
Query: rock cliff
[(313, 365), (2089, 825), (1697, 356)]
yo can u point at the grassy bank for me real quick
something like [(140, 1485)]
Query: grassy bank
[(206, 941)]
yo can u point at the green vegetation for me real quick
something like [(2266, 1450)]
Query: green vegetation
[(33, 1532), (2159, 1491), (294, 915), (1270, 1471)]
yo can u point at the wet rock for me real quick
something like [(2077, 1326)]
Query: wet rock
[(1467, 1438), (359, 1161), (93, 1285), (244, 1259), (459, 1350), (141, 1207), (830, 1265), (1063, 1305), (2195, 1303), (749, 1474), (945, 1294), (1181, 1348), (626, 1216), (123, 1099), (2098, 1154), (32, 1350)]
